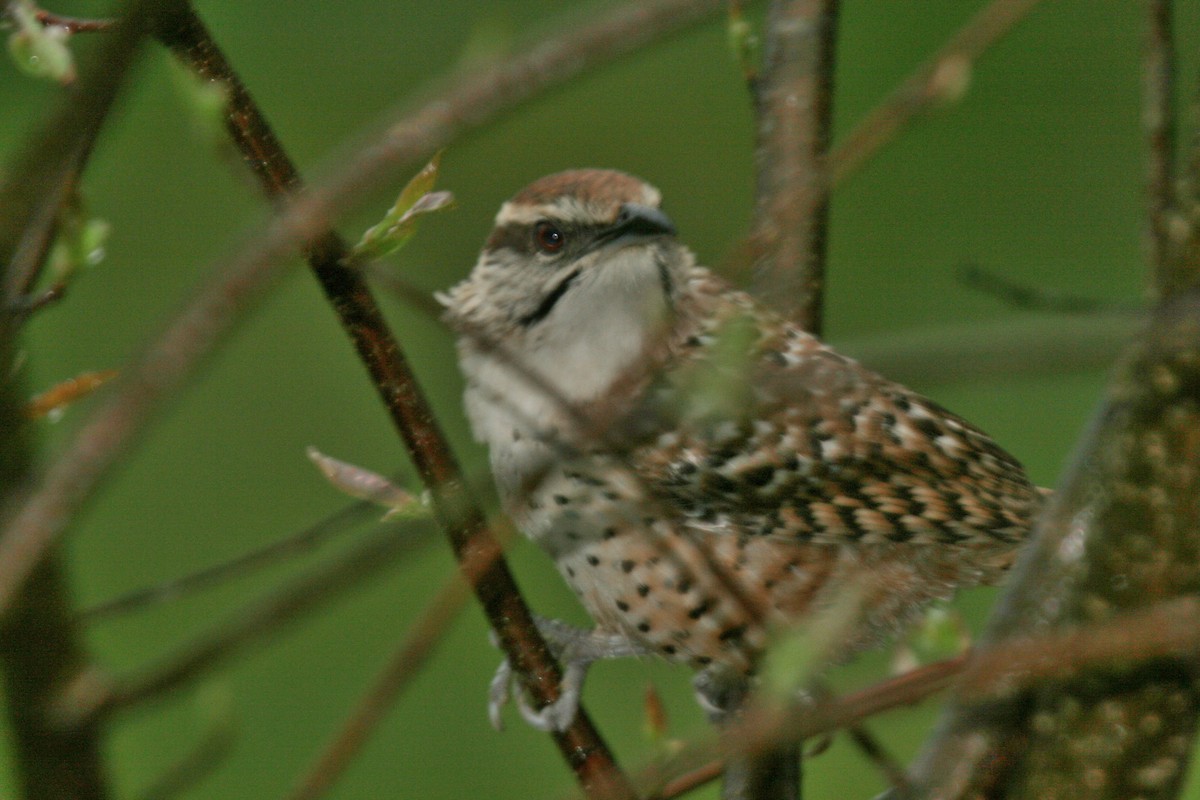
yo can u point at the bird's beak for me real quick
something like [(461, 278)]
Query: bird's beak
[(635, 223)]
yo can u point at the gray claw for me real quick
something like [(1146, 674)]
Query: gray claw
[(576, 649)]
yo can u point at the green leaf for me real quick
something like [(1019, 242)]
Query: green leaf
[(205, 101), (743, 42), (80, 243), (39, 50), (720, 388), (398, 226), (800, 653)]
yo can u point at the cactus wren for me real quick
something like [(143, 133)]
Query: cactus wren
[(701, 470)]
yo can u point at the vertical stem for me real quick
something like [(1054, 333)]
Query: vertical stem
[(794, 99), (1158, 119)]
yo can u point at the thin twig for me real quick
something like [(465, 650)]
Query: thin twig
[(1169, 629), (941, 78), (1158, 121), (240, 566), (794, 109), (204, 758), (691, 780), (74, 24), (1037, 298), (403, 665), (878, 755), (793, 98), (266, 616), (26, 305), (41, 647)]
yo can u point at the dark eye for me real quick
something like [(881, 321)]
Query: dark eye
[(548, 237)]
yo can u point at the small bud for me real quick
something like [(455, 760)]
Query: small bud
[(950, 80), (743, 42), (655, 714), (400, 223), (363, 484), (51, 403), (205, 101), (40, 50)]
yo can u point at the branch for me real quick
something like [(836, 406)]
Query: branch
[(794, 109), (401, 668), (1158, 121), (41, 648), (985, 675), (250, 625), (939, 79), (414, 419), (1121, 533), (75, 24), (475, 99), (247, 563)]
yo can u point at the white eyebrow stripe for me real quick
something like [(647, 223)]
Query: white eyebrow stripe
[(564, 209)]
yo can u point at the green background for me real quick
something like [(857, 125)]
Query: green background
[(1036, 174)]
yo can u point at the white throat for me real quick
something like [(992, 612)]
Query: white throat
[(596, 334)]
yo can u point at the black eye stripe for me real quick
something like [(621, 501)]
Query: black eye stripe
[(519, 237)]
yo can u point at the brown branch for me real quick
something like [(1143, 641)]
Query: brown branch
[(1008, 668), (41, 648), (1159, 124), (474, 99), (74, 24), (240, 566), (1120, 533), (204, 758), (793, 97), (404, 665), (939, 79), (267, 616), (350, 297), (794, 108)]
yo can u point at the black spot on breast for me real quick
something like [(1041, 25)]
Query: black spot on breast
[(643, 590), (730, 634), (720, 483), (561, 499), (622, 605), (593, 560), (627, 566), (700, 610), (759, 476), (644, 626)]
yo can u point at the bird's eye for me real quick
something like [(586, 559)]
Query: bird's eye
[(548, 237)]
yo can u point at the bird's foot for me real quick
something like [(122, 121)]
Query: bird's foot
[(576, 649)]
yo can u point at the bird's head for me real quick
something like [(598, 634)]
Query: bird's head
[(570, 256)]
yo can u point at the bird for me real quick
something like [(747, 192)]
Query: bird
[(703, 472)]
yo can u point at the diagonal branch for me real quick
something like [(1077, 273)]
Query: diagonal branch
[(476, 98), (940, 78)]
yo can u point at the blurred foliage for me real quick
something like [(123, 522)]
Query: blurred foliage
[(1035, 174)]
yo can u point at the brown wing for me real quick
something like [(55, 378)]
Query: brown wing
[(826, 451)]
